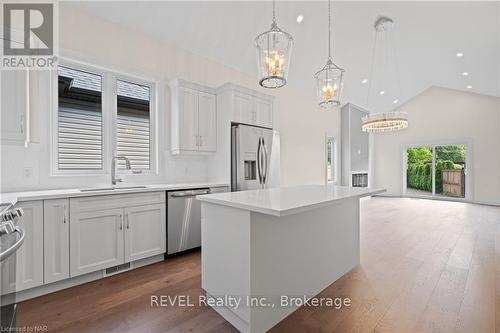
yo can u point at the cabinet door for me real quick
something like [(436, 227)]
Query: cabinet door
[(188, 119), (244, 109), (14, 105), (207, 122), (264, 113), (56, 239), (96, 240), (145, 231), (24, 269)]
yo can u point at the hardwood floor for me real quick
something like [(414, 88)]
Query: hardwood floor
[(426, 266)]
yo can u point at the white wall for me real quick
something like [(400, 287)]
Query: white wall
[(90, 39), (443, 115)]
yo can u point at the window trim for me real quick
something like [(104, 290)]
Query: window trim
[(109, 77), (334, 157)]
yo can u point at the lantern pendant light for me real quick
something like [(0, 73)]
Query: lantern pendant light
[(329, 78), (274, 48)]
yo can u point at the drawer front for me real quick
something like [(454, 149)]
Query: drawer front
[(116, 201)]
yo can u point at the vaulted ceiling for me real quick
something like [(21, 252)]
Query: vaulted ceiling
[(427, 36)]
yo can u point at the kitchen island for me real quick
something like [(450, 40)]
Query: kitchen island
[(261, 249)]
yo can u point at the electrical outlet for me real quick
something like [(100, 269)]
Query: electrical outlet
[(27, 173)]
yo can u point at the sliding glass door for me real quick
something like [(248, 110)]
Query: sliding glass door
[(419, 180), (436, 171)]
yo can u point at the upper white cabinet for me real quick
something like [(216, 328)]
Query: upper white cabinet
[(14, 99), (24, 269), (56, 239), (193, 118), (246, 106), (14, 106), (207, 122)]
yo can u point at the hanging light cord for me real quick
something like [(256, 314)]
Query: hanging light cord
[(329, 30), (370, 77), (274, 10)]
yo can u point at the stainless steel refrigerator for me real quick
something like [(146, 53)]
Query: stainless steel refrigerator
[(254, 157)]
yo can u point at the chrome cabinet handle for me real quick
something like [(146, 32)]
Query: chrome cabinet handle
[(201, 141), (121, 222), (7, 253), (128, 221), (64, 212), (22, 124)]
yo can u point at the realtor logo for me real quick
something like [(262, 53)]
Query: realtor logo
[(34, 22), (30, 34)]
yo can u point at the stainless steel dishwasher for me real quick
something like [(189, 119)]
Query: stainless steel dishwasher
[(184, 218)]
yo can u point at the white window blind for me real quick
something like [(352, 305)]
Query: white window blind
[(133, 124), (79, 120)]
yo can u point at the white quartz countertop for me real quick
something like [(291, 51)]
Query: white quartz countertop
[(288, 200), (14, 197)]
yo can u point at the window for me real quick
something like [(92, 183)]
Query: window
[(102, 114), (79, 120), (133, 124), (330, 160)]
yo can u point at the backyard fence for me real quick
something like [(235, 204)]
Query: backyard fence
[(454, 183)]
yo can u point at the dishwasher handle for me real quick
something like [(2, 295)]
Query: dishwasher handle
[(189, 193)]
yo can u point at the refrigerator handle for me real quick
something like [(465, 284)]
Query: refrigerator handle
[(259, 167), (265, 166)]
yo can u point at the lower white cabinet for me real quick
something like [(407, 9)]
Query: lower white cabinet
[(56, 239), (128, 230), (96, 240), (145, 231), (26, 271)]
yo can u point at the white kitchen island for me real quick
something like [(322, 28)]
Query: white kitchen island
[(263, 247)]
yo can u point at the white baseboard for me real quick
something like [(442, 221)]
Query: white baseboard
[(393, 195), (77, 280)]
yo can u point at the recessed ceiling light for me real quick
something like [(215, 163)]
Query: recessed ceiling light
[(300, 18), (364, 81), (396, 101), (460, 54), (465, 73), (469, 87), (382, 92)]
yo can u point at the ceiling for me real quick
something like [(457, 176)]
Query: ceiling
[(427, 36)]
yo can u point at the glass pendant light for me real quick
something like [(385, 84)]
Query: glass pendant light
[(394, 120), (329, 78), (274, 48)]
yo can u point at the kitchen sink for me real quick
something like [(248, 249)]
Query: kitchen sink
[(111, 188)]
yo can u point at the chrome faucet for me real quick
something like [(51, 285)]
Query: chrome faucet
[(115, 180)]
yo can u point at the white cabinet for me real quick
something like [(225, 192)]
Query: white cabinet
[(244, 110), (188, 119), (207, 122), (145, 231), (56, 239), (96, 240), (264, 112), (24, 269), (14, 106), (110, 230), (193, 118), (246, 106)]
